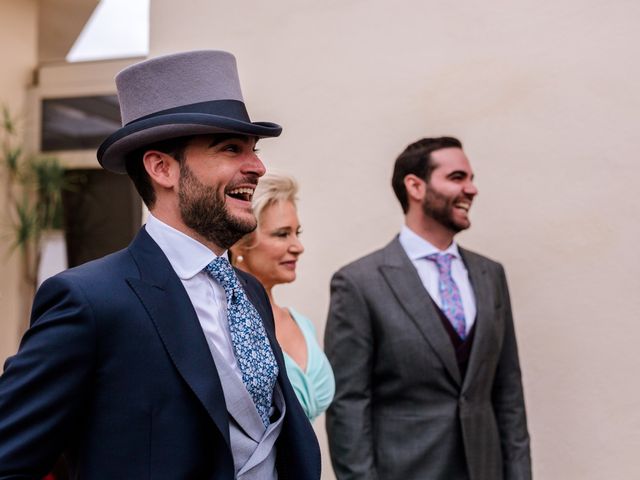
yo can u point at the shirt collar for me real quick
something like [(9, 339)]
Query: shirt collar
[(187, 256), (417, 247)]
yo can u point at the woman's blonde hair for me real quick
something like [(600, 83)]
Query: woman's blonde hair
[(272, 188)]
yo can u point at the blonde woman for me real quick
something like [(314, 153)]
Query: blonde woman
[(271, 254)]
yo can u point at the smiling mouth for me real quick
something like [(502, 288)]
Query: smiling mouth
[(463, 206), (244, 193)]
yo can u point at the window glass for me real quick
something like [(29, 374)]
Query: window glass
[(78, 123)]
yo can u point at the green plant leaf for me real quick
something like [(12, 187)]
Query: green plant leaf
[(12, 160), (34, 190), (26, 227), (8, 125), (49, 180)]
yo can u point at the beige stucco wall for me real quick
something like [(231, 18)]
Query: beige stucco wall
[(18, 43), (544, 97), (59, 24)]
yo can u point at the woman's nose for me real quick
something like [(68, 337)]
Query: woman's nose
[(296, 246)]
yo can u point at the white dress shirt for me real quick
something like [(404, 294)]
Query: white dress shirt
[(417, 249), (188, 258)]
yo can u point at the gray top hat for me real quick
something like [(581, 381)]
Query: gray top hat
[(191, 93)]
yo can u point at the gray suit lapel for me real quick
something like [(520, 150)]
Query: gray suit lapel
[(238, 400), (404, 282), (484, 307)]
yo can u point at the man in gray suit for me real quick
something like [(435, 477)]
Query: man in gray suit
[(421, 339)]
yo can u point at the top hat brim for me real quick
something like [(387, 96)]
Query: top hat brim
[(114, 150)]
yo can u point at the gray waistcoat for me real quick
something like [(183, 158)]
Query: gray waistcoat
[(253, 446)]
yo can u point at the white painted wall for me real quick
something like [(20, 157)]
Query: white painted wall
[(53, 258), (545, 98)]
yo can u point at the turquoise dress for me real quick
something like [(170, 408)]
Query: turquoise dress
[(316, 386)]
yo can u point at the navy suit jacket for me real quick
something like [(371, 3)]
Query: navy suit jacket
[(115, 371)]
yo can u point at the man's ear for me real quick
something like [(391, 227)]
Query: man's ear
[(415, 186), (162, 168)]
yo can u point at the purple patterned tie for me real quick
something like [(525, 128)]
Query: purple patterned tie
[(449, 293)]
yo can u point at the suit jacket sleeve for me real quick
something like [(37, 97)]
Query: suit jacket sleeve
[(508, 401), (44, 385), (349, 347)]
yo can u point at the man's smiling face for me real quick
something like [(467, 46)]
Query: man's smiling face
[(217, 179), (450, 189)]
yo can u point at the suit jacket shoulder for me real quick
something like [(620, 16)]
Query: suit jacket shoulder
[(370, 262), (96, 272), (475, 258)]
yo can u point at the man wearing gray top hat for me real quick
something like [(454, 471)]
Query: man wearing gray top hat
[(160, 361)]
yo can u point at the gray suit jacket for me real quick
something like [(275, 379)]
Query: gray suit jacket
[(401, 409)]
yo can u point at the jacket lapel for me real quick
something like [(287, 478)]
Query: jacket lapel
[(239, 402), (403, 280), (165, 299), (484, 307)]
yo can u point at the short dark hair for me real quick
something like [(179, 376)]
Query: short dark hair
[(416, 159), (174, 147)]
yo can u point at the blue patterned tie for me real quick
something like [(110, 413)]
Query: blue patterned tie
[(250, 343), (449, 293)]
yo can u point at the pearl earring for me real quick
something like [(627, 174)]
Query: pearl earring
[(239, 258)]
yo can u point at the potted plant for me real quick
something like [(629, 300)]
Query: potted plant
[(33, 201)]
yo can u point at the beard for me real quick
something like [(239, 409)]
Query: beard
[(440, 208), (203, 209)]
